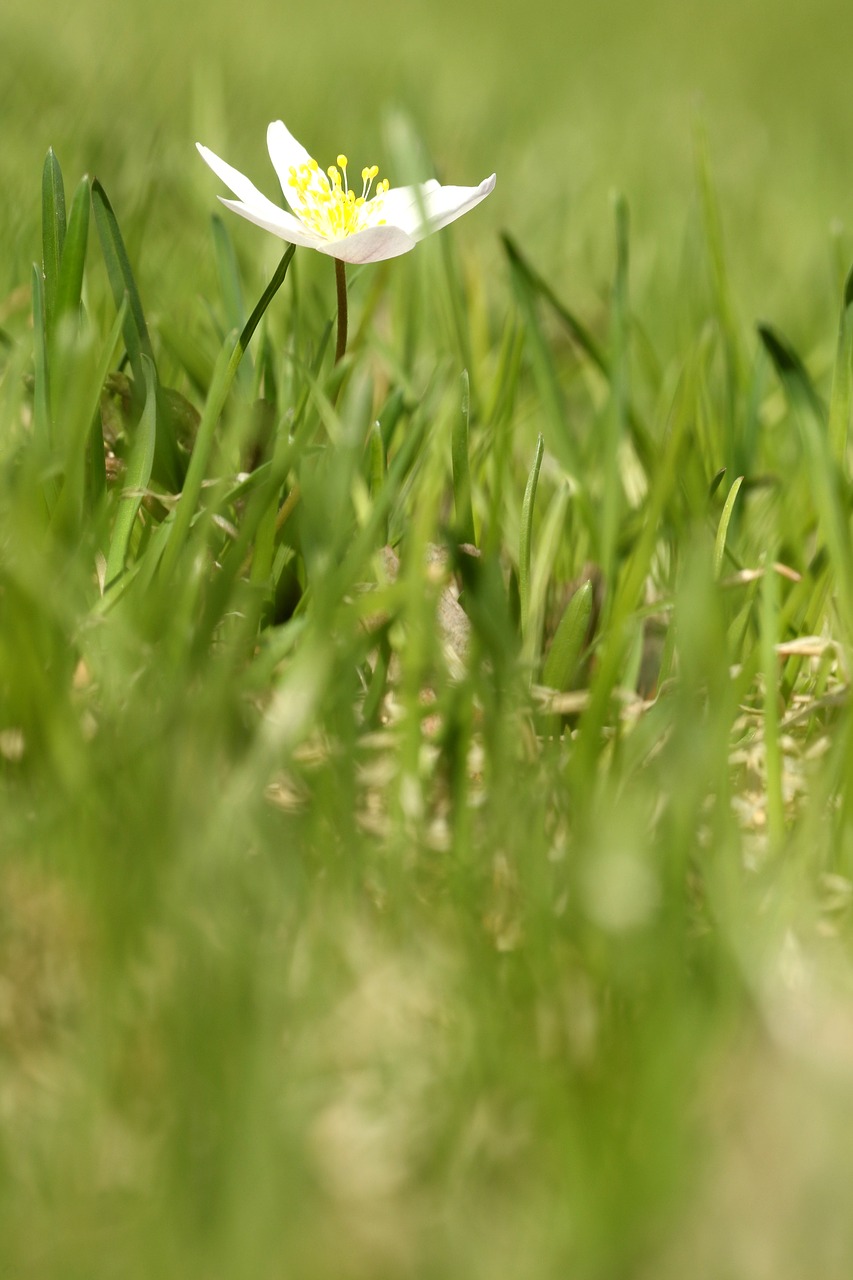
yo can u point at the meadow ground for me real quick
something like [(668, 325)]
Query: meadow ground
[(426, 834)]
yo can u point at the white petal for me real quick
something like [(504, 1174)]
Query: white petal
[(285, 152), (280, 223), (252, 198), (420, 210), (374, 244)]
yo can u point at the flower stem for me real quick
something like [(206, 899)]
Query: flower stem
[(341, 282)]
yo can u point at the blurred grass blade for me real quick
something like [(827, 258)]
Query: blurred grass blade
[(53, 233), (793, 373), (138, 475), (723, 526), (770, 663), (70, 284), (839, 403), (378, 471), (461, 469), (564, 657), (526, 533)]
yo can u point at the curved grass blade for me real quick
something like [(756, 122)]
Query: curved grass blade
[(138, 475), (723, 526), (461, 468), (564, 656), (52, 231), (122, 283), (793, 373), (525, 538), (584, 339), (224, 373)]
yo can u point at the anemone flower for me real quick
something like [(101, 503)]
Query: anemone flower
[(335, 218)]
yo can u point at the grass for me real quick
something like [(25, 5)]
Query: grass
[(426, 843)]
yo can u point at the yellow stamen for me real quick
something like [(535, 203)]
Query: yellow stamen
[(326, 203)]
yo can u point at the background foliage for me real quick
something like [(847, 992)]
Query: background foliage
[(332, 943)]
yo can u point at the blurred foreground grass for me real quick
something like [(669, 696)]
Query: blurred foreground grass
[(369, 907)]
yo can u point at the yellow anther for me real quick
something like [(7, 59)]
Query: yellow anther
[(342, 162), (373, 171)]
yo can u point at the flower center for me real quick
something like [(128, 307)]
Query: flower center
[(327, 203)]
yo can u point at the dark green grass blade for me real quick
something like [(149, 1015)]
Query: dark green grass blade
[(53, 233), (137, 477), (168, 465), (122, 282), (70, 283), (793, 373), (839, 403), (462, 469)]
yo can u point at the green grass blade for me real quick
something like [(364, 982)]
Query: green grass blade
[(824, 474), (615, 419), (723, 526), (122, 283), (232, 292), (564, 656), (224, 373), (584, 339), (70, 283), (770, 665), (462, 469), (526, 533), (41, 388), (53, 232), (137, 478), (839, 403), (82, 428)]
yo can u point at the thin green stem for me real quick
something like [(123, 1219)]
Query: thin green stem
[(341, 282)]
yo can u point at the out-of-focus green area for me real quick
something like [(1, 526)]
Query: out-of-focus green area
[(333, 946), (565, 102)]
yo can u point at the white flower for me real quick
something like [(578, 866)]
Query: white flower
[(333, 217)]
